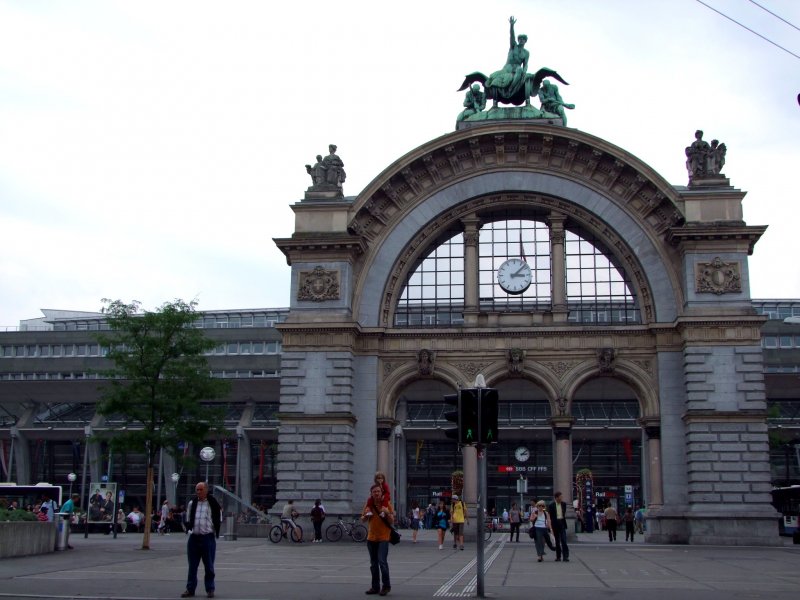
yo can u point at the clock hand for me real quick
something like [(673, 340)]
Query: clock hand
[(521, 269)]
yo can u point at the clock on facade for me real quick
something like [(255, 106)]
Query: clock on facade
[(514, 276), (522, 454)]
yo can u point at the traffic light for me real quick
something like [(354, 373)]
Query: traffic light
[(469, 423), (453, 416), (489, 408)]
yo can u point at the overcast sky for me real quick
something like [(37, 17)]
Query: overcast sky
[(151, 150)]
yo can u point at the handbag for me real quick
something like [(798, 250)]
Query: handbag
[(394, 535)]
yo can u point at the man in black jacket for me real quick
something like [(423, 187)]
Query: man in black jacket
[(204, 520), (558, 517)]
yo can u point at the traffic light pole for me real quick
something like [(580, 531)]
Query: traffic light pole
[(481, 451)]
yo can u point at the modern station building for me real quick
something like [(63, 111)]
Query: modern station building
[(619, 332)]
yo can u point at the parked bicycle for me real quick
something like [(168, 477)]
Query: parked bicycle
[(295, 532), (356, 531)]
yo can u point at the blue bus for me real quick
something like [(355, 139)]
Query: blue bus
[(786, 501)]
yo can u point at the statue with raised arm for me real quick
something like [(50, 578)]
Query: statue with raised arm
[(474, 102), (552, 102), (512, 84)]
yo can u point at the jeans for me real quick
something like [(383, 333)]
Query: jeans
[(514, 528), (379, 564), (201, 547), (318, 530), (540, 534), (560, 533)]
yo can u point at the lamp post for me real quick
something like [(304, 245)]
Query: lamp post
[(71, 478), (207, 454), (175, 478)]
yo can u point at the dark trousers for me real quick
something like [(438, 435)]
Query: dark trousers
[(379, 564), (628, 530), (317, 530), (201, 547), (560, 533), (514, 528), (611, 525)]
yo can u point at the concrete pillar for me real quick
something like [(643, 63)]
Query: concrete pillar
[(21, 464), (562, 461), (656, 498), (558, 271), (471, 282), (384, 435)]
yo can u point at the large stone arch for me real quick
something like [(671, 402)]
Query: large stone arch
[(636, 375), (604, 188)]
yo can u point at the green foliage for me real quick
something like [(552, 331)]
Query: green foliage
[(16, 515), (159, 378)]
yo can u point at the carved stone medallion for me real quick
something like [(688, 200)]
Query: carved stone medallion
[(718, 277), (318, 285)]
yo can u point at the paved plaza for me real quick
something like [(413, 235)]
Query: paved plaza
[(248, 568)]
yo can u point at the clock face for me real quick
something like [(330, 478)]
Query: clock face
[(514, 276), (522, 454)]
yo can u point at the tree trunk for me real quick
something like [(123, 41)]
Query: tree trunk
[(148, 514)]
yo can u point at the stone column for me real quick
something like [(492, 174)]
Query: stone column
[(384, 435), (656, 497), (471, 274), (562, 458), (558, 271)]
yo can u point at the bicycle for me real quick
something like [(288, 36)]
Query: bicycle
[(355, 530), (276, 533)]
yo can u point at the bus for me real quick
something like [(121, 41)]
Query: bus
[(30, 494), (786, 501)]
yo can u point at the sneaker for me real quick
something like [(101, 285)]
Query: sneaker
[(440, 546), (210, 594), (462, 547), (385, 590), (371, 591), (566, 560), (187, 594)]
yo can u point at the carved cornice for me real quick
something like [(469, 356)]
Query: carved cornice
[(322, 247), (331, 418), (719, 416), (718, 232)]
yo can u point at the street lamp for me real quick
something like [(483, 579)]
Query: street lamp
[(175, 477), (207, 454), (71, 478)]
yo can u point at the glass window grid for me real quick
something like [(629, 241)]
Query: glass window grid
[(514, 238), (597, 291)]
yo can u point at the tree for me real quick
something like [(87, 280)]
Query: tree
[(159, 379)]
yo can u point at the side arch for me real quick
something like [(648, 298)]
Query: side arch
[(642, 383)]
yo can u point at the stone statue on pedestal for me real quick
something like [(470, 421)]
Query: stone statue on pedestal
[(704, 160), (327, 174)]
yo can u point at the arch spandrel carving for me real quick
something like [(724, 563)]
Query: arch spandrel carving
[(572, 172)]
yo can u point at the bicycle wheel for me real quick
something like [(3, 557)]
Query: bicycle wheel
[(333, 533), (359, 533), (275, 534), (297, 534), (487, 533)]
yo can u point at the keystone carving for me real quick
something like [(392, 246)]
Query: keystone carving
[(605, 360), (516, 356), (425, 360)]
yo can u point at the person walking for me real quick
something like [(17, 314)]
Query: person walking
[(558, 519), (628, 519), (442, 520), (317, 517), (514, 521), (541, 526), (459, 517), (378, 511), (611, 523), (204, 521), (164, 519), (415, 524)]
